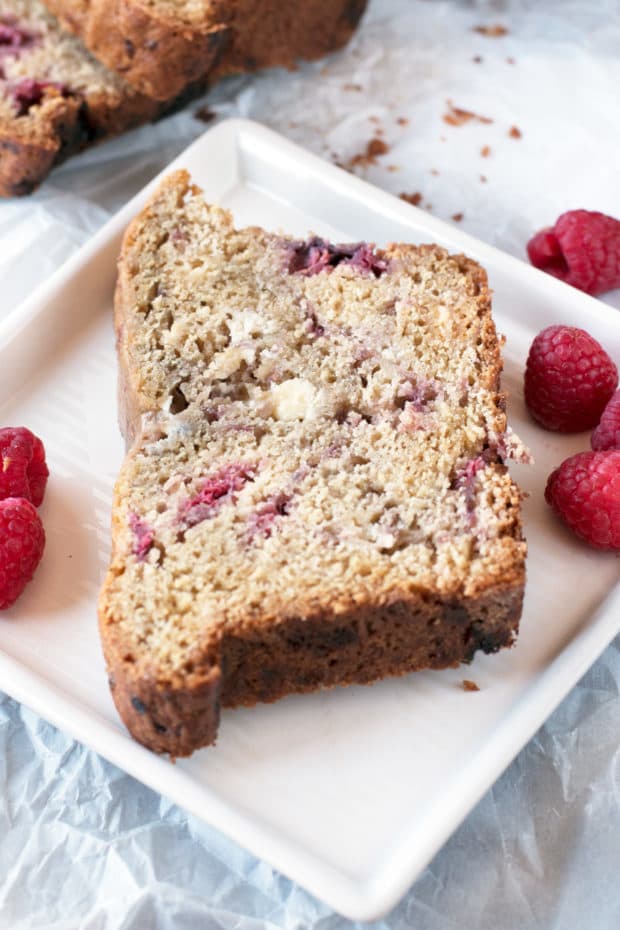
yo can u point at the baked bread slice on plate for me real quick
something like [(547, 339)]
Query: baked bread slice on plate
[(55, 98), (161, 46), (315, 492)]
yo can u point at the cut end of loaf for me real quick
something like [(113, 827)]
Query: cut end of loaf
[(315, 492), (55, 97)]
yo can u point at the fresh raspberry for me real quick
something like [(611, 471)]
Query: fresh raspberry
[(607, 433), (23, 472), (583, 249), (568, 379), (585, 492), (22, 540)]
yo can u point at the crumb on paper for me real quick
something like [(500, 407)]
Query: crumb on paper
[(393, 167), (483, 179), (510, 60), (377, 147), (494, 31), (457, 116), (402, 121), (468, 685), (435, 172), (477, 59), (414, 199), (357, 87), (514, 132), (205, 114), (374, 119), (458, 217), (374, 149), (324, 71), (485, 151)]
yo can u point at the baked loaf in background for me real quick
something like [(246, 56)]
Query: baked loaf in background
[(161, 46), (55, 98), (315, 492)]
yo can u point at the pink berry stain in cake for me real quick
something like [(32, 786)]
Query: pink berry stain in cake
[(179, 238), (264, 519), (416, 395), (143, 536), (316, 255), (465, 480), (14, 39), (418, 392), (219, 488), (28, 93), (507, 446)]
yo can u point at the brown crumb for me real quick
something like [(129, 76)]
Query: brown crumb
[(374, 148), (205, 114), (485, 151), (402, 121), (374, 119), (352, 87), (477, 59), (393, 167), (324, 71), (377, 147), (496, 31), (511, 61), (514, 132), (483, 178), (435, 172), (468, 685), (414, 199), (456, 116), (457, 217)]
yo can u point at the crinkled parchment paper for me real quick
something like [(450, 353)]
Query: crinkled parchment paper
[(84, 845)]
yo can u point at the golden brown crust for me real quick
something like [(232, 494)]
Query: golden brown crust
[(65, 125), (157, 55), (232, 35), (300, 654), (27, 158)]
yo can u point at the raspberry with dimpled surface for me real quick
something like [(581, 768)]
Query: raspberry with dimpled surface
[(582, 249), (569, 378), (585, 492), (22, 540), (23, 471), (607, 433)]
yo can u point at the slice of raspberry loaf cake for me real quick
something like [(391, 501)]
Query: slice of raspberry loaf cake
[(161, 46), (55, 98), (315, 491)]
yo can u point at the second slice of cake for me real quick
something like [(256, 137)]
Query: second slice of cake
[(315, 491)]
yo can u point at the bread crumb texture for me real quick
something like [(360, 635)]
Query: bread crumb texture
[(315, 491)]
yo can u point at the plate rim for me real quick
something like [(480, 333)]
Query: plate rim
[(358, 898)]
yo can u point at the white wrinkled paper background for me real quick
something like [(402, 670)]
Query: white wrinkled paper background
[(83, 845)]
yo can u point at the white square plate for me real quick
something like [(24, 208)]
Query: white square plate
[(349, 792)]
